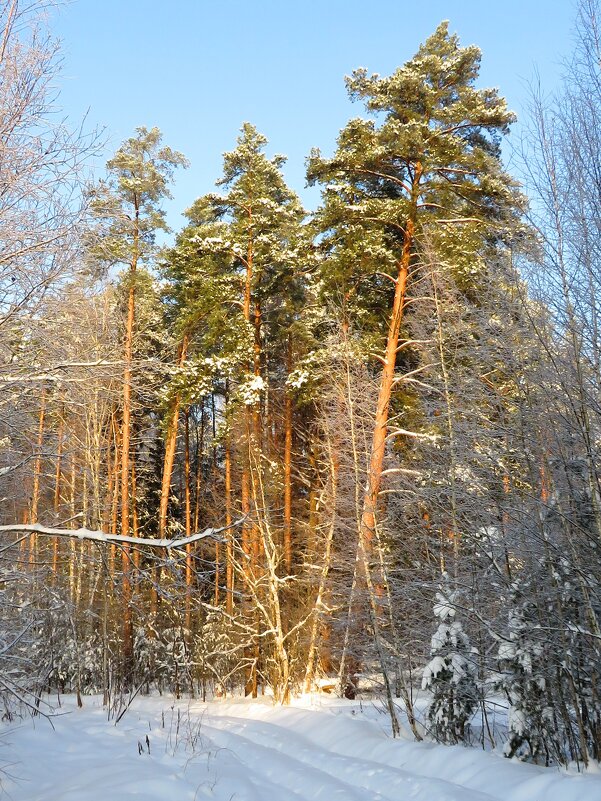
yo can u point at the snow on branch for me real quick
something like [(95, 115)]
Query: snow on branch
[(400, 432), (117, 539), (11, 468)]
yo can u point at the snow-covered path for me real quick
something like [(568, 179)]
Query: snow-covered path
[(254, 752), (303, 769)]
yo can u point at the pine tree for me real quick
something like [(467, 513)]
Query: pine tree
[(522, 659), (450, 675), (256, 225), (127, 205), (235, 282), (427, 167)]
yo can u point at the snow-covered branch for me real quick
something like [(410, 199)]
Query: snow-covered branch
[(103, 537)]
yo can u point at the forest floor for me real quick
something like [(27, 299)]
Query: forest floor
[(318, 748)]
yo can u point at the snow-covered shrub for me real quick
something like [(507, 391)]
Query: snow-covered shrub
[(450, 675), (23, 659), (177, 667), (74, 652), (217, 655), (148, 653), (162, 656), (522, 662)]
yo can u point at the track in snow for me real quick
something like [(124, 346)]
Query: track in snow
[(304, 768), (254, 752)]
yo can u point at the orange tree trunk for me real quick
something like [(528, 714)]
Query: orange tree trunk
[(188, 517), (288, 467), (245, 477), (128, 643), (378, 443), (170, 445), (380, 432), (37, 471), (128, 637), (57, 494), (134, 515), (114, 497), (228, 521)]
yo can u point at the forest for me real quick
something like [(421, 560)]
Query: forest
[(354, 451)]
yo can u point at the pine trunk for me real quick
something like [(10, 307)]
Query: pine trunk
[(37, 470), (57, 494), (288, 467), (171, 443), (229, 580), (188, 517), (134, 515), (380, 432), (128, 641)]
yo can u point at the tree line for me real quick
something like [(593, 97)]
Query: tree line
[(387, 410)]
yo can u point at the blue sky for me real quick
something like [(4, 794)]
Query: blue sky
[(199, 68)]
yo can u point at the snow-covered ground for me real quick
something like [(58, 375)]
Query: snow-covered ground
[(318, 748)]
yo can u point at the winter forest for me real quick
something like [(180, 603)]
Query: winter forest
[(352, 453)]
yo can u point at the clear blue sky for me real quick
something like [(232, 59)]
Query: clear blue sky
[(198, 68)]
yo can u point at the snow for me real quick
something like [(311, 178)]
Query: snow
[(444, 607), (317, 748), (433, 668), (101, 536)]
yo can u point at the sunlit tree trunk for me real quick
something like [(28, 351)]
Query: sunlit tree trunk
[(188, 517), (72, 547), (229, 600), (57, 492), (171, 443), (288, 465), (248, 415), (198, 481), (114, 501), (380, 432), (37, 470), (134, 515), (317, 614), (128, 641)]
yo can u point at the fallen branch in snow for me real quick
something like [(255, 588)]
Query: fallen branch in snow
[(103, 537)]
